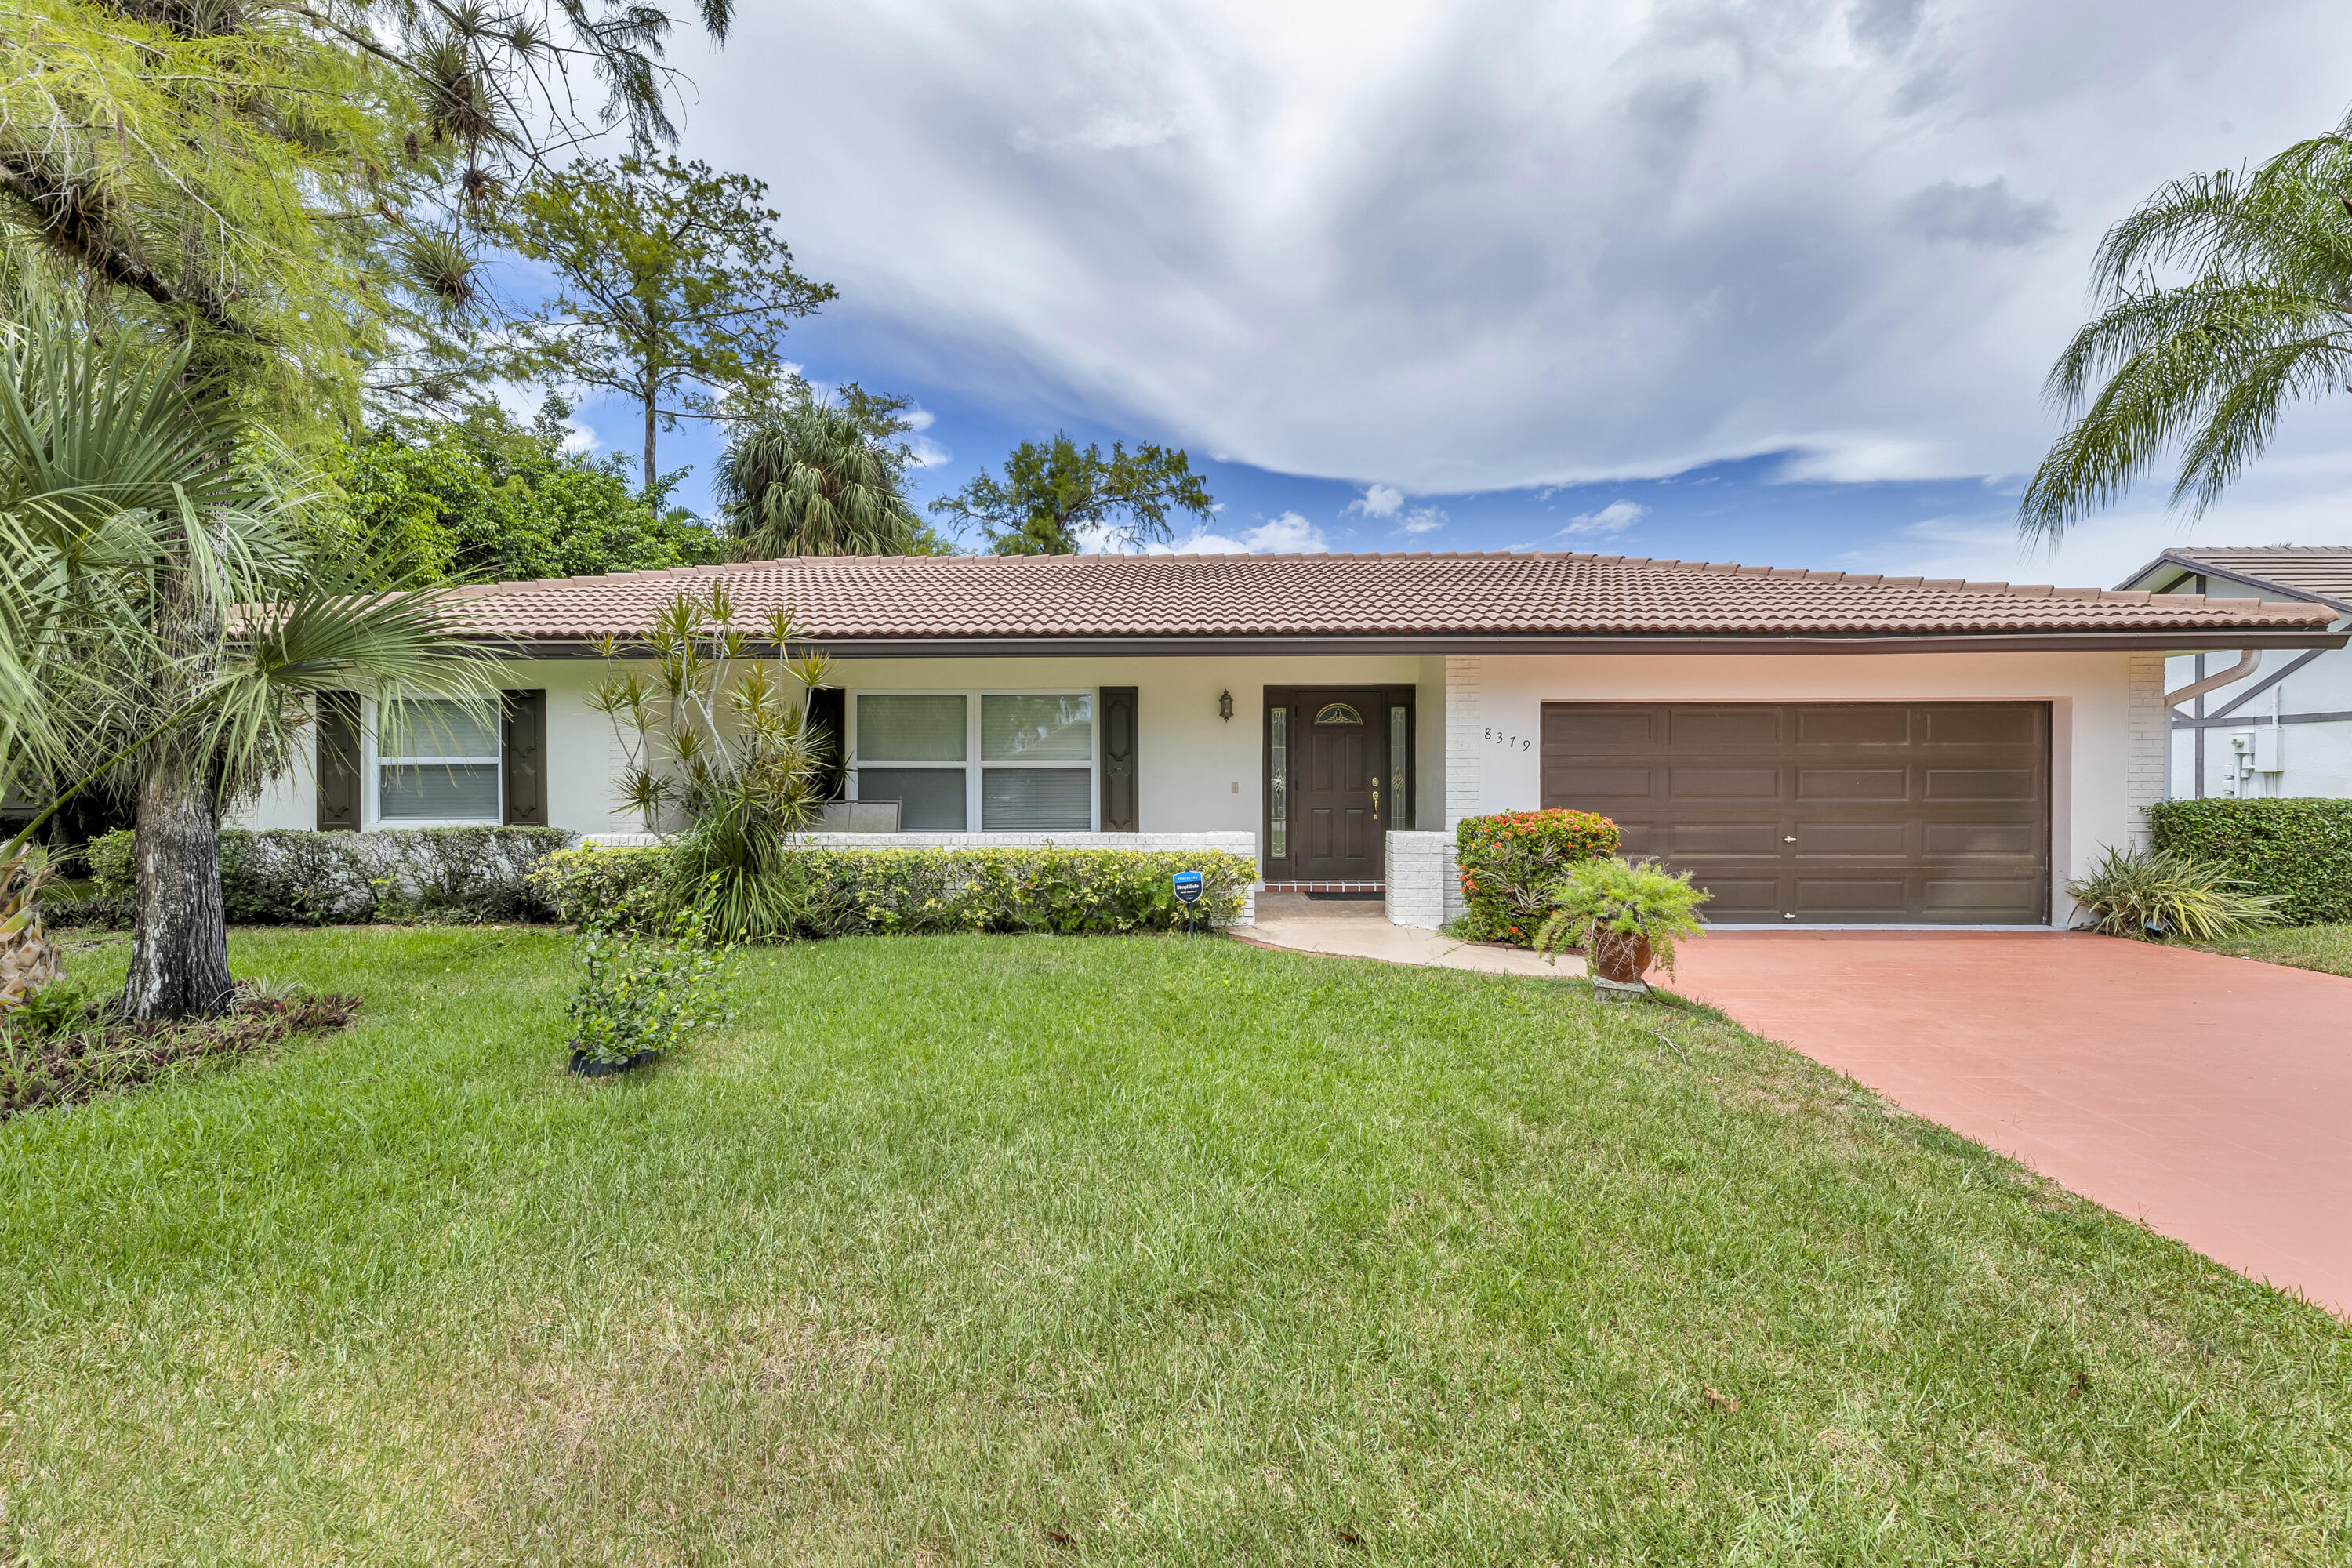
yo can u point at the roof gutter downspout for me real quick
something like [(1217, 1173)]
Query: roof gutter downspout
[(2248, 662)]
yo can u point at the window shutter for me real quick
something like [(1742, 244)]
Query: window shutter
[(1118, 747), (522, 749), (828, 710), (339, 762)]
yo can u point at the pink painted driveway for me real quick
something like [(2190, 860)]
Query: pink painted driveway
[(2210, 1097)]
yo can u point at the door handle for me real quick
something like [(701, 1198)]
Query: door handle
[(1376, 799), (1791, 839)]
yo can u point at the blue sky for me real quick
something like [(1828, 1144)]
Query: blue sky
[(1765, 281)]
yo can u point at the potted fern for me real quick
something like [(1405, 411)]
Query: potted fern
[(1624, 916)]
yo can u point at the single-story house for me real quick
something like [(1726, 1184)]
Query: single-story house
[(1817, 747), (2282, 723)]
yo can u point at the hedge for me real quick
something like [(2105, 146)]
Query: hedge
[(290, 877), (2295, 848), (860, 892), (1509, 862)]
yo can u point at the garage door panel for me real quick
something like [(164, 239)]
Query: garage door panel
[(1747, 840), (1833, 813), (1877, 840), (1985, 724), (1742, 899), (1700, 780), (1597, 782), (1831, 898), (1852, 784), (1984, 901), (1983, 784), (1636, 839), (2020, 839), (1716, 728), (1871, 726), (1596, 728)]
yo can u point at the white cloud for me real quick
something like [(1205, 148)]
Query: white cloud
[(582, 438), (929, 454), (1379, 501), (1289, 534), (1615, 518), (1423, 520), (1472, 244)]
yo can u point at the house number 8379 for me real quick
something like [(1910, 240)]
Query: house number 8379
[(1524, 743)]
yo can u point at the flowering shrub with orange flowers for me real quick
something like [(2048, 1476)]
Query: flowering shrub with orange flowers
[(1509, 861)]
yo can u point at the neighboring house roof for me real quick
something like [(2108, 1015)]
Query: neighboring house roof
[(1337, 602), (2319, 572)]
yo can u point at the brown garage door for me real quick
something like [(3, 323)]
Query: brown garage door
[(1850, 813)]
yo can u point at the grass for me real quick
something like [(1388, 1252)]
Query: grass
[(1146, 1250), (2327, 948)]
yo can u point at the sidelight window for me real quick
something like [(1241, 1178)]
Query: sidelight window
[(1010, 762), (1399, 737), (1277, 787)]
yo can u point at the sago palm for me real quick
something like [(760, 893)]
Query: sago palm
[(814, 478), (2227, 297), (162, 625)]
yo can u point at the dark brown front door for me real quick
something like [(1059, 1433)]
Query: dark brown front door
[(1831, 812), (1336, 780)]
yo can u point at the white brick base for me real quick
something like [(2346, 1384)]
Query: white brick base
[(1423, 889), (2150, 739)]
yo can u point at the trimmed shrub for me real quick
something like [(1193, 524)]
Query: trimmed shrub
[(2295, 849), (860, 892), (1510, 861), (290, 876)]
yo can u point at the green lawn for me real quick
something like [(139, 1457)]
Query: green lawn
[(1019, 1249), (2305, 947)]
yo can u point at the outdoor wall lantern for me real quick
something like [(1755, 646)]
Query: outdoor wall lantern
[(1225, 706)]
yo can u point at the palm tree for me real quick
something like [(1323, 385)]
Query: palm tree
[(163, 629), (2207, 364), (817, 477)]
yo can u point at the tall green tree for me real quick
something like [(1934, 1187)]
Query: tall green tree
[(2225, 298), (294, 196), (485, 497), (303, 192), (1054, 493), (673, 287), (821, 476), (138, 520)]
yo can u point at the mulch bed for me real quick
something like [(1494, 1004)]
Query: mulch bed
[(80, 1062)]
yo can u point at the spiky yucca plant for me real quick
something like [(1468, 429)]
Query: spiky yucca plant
[(718, 729), (2153, 894)]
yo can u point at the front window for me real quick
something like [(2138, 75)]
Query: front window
[(436, 762), (1008, 762)]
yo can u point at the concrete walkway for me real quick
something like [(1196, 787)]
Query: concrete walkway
[(1361, 930), (2210, 1097)]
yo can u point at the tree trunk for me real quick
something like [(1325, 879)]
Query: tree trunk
[(179, 957), (650, 472), (179, 952)]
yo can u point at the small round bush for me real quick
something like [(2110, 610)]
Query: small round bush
[(1510, 861)]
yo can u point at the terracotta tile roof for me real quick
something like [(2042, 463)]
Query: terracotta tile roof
[(2321, 571), (849, 598)]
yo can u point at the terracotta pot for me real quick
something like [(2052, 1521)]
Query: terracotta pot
[(1619, 956)]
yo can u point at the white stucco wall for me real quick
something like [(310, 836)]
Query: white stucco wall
[(1202, 774), (2318, 757), (1493, 704), (1199, 773)]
